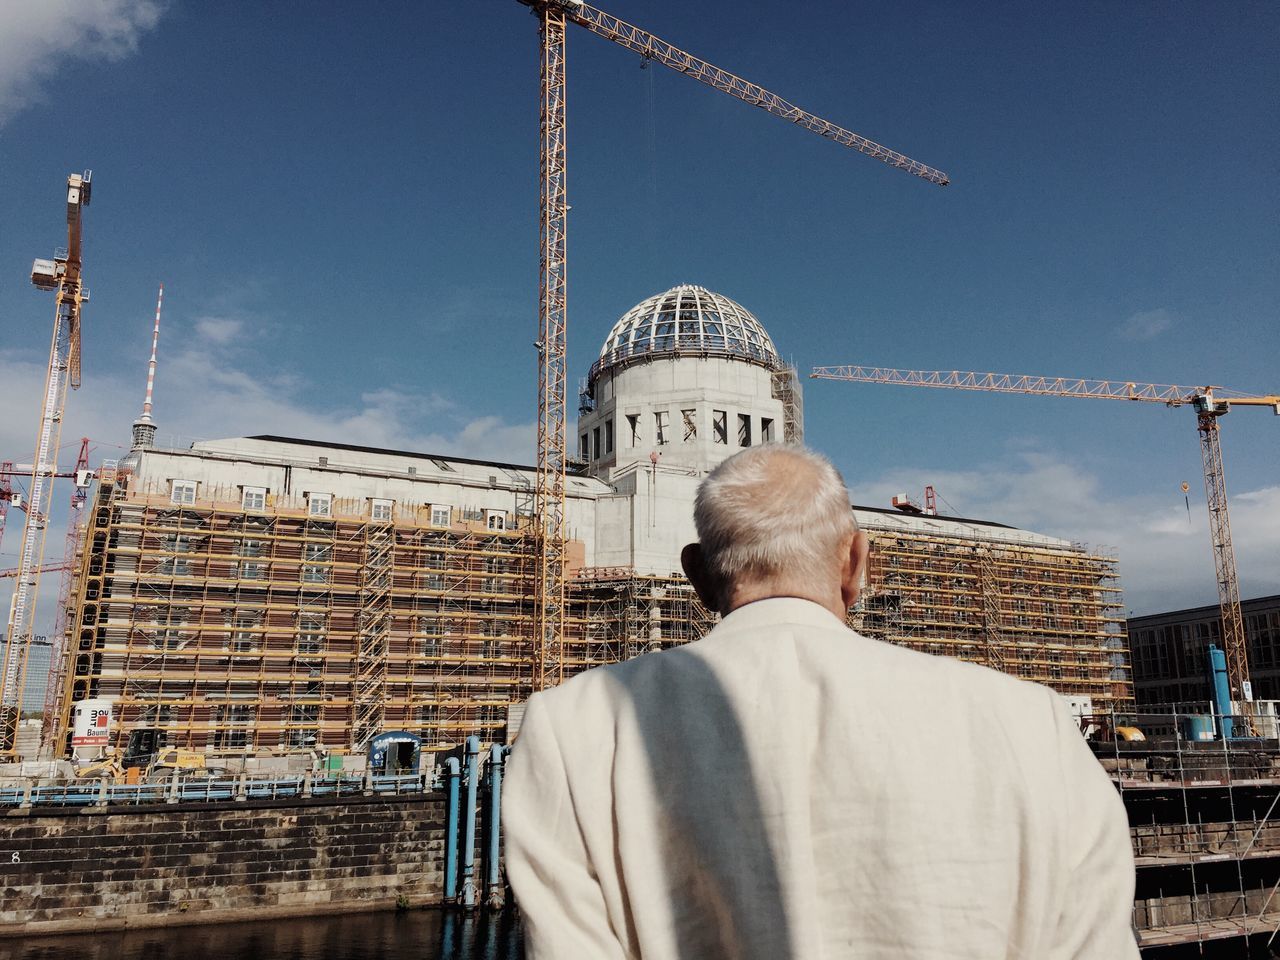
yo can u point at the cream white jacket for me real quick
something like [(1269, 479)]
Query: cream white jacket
[(786, 788)]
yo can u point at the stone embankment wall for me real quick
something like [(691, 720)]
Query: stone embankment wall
[(86, 869)]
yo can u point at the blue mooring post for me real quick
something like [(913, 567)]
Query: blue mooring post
[(493, 895), (1221, 689), (469, 892), (453, 772)]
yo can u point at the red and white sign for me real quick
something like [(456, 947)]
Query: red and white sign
[(91, 723)]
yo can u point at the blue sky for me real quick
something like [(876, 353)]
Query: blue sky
[(342, 204)]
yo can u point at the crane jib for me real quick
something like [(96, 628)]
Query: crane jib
[(654, 48)]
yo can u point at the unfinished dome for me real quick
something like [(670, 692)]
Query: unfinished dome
[(686, 321)]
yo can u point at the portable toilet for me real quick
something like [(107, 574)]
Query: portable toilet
[(395, 753)]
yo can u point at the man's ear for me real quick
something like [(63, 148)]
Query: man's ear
[(854, 571), (695, 569)]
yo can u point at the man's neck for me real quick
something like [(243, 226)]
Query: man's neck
[(826, 597)]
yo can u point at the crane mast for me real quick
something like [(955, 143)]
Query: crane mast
[(62, 275), (6, 493), (1209, 402), (549, 492), (549, 506), (1235, 646), (58, 640)]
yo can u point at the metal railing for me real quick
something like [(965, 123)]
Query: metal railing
[(179, 789)]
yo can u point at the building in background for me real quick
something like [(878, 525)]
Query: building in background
[(33, 688), (1169, 650), (274, 594)]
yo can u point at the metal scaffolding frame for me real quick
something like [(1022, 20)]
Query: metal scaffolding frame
[(1204, 827), (1048, 614), (275, 629)]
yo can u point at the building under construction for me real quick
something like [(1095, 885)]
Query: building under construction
[(270, 594)]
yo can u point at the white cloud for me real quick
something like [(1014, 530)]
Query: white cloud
[(1166, 562), (37, 36), (219, 330), (204, 391), (1146, 325)]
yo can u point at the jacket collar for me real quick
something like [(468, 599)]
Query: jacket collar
[(779, 610)]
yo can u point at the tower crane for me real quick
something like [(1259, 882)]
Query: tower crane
[(53, 689), (549, 493), (62, 275), (1209, 403), (6, 493), (12, 572)]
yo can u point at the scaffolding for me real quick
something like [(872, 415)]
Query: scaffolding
[(1204, 826), (1049, 614), (290, 626), (785, 386)]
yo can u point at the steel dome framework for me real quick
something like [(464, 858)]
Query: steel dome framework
[(686, 320)]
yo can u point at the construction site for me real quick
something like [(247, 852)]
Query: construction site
[(248, 618), (275, 599)]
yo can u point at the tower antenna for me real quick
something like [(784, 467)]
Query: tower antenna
[(144, 431)]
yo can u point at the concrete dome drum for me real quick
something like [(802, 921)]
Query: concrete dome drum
[(686, 321)]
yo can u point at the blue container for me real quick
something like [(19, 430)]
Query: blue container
[(1198, 726)]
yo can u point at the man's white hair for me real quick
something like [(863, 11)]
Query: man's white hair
[(777, 511)]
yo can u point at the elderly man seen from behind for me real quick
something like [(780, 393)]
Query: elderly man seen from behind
[(786, 788)]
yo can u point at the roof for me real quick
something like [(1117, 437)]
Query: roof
[(1208, 612), (894, 512), (448, 458), (686, 320), (318, 454)]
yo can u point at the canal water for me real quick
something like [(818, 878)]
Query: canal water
[(408, 935)]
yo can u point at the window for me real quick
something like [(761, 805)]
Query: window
[(690, 424), (442, 465), (433, 562), (182, 491), (303, 721), (744, 430), (167, 638), (720, 426), (176, 565), (250, 569), (320, 504), (233, 724), (495, 520), (429, 716), (244, 638), (429, 630), (254, 498), (380, 510), (584, 447), (633, 421), (316, 554), (766, 430), (595, 443), (608, 436), (310, 633), (660, 427), (440, 516)]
